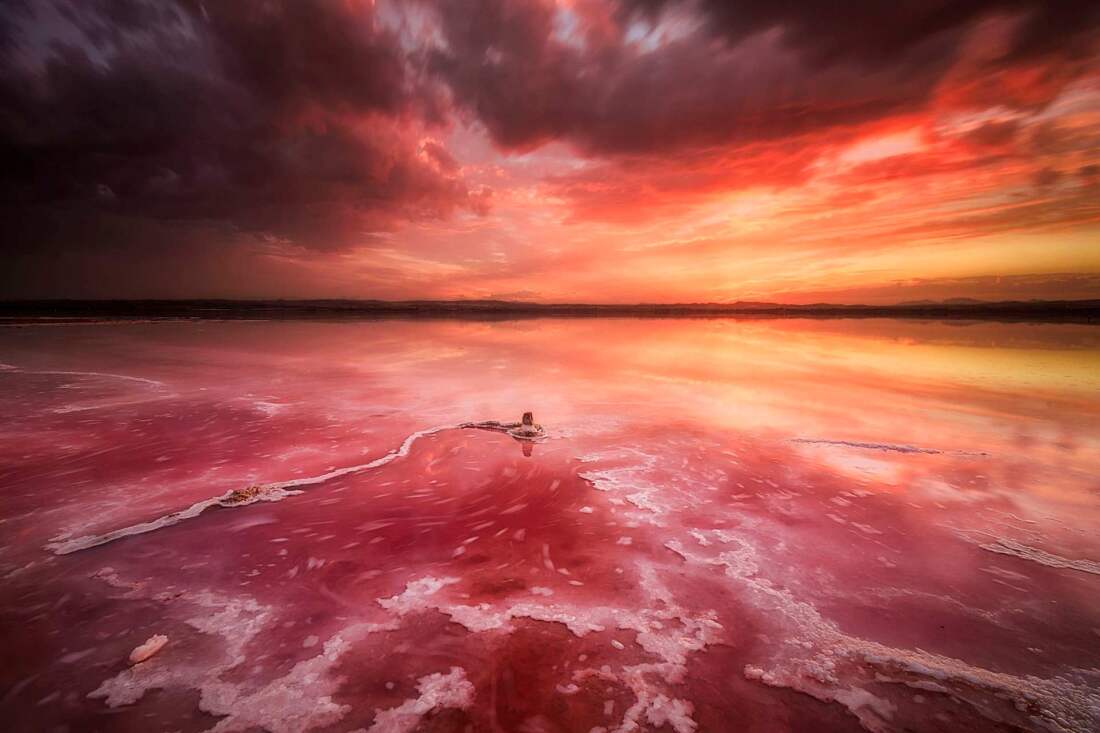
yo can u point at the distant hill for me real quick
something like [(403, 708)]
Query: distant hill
[(949, 301), (1085, 311)]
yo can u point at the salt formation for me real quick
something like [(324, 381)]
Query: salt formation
[(828, 664), (153, 645), (233, 498), (451, 690), (662, 628), (1004, 546), (869, 446), (297, 701), (525, 430)]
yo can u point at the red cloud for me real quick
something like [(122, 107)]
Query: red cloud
[(306, 130)]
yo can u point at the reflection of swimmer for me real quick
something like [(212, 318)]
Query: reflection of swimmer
[(526, 431)]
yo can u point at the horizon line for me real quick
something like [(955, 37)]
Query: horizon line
[(922, 303)]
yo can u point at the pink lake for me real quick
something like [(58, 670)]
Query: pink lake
[(730, 525)]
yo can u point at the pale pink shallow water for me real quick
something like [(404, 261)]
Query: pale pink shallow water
[(732, 526)]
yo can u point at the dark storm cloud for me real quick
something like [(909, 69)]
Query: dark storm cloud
[(875, 32), (295, 120), (298, 119), (135, 126), (748, 71)]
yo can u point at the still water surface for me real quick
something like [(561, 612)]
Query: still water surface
[(779, 525)]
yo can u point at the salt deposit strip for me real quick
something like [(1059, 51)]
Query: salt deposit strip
[(267, 492), (104, 375), (1033, 554), (889, 447), (276, 491), (65, 547)]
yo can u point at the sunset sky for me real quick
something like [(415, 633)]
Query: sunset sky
[(578, 150)]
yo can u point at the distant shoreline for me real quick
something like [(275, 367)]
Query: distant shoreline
[(61, 311)]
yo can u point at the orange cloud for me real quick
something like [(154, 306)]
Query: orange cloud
[(591, 150)]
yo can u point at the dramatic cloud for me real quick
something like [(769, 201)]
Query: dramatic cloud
[(578, 149), (529, 81), (656, 75), (289, 120), (873, 33)]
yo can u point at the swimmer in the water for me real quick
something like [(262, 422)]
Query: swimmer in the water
[(527, 431), (527, 427)]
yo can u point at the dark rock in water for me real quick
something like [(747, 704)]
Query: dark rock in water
[(246, 493), (242, 496)]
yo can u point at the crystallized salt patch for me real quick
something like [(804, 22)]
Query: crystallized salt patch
[(153, 645)]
